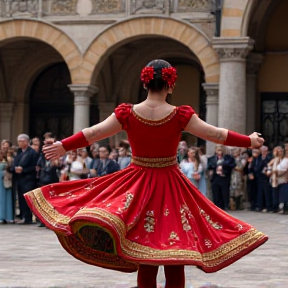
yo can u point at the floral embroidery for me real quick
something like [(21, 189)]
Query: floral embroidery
[(150, 222), (89, 187), (129, 198), (215, 225), (173, 236), (208, 243), (184, 210), (166, 212), (239, 227)]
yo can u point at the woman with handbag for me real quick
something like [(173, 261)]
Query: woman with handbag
[(6, 203)]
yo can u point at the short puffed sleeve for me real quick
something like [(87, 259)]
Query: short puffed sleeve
[(185, 113), (122, 112)]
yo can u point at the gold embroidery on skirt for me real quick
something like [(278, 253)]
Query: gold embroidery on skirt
[(129, 198), (46, 209), (208, 259), (215, 225), (150, 222), (208, 243), (166, 212), (173, 236), (184, 210)]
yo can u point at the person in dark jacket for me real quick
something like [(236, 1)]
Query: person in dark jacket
[(259, 170), (103, 165), (24, 171), (220, 168)]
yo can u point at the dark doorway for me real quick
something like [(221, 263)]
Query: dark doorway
[(51, 103), (274, 118)]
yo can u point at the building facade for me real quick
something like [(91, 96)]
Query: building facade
[(66, 64)]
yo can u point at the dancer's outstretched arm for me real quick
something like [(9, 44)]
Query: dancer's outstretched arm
[(201, 129), (108, 127)]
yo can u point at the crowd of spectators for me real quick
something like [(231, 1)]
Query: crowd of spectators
[(24, 168), (237, 178), (233, 178)]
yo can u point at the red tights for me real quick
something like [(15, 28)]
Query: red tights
[(174, 274)]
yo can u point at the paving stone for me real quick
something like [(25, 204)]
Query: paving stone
[(31, 257)]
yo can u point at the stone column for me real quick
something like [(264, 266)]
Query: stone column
[(254, 61), (232, 89), (6, 113), (82, 94), (212, 91)]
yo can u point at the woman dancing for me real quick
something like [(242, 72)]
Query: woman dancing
[(148, 214)]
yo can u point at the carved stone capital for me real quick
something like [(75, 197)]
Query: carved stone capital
[(232, 49), (254, 61), (212, 92), (82, 93)]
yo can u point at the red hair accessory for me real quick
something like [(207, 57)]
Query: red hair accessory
[(169, 75), (147, 74)]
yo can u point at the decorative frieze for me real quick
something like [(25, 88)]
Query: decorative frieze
[(108, 6), (196, 5), (148, 7)]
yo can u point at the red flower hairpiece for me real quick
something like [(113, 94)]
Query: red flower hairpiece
[(169, 75), (147, 74)]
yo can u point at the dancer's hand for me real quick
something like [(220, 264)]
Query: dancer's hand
[(53, 151), (256, 140)]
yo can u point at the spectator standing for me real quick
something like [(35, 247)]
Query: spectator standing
[(236, 186), (124, 158), (105, 165), (73, 168), (252, 184), (263, 185), (182, 151), (275, 180), (95, 161), (220, 166), (5, 145), (24, 170), (192, 167), (6, 197), (282, 179), (86, 162)]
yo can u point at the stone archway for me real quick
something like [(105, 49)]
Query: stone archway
[(122, 32), (235, 17), (44, 32)]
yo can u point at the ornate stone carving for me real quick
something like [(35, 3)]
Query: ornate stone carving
[(232, 49), (148, 7), (108, 6), (63, 7), (196, 5), (22, 8)]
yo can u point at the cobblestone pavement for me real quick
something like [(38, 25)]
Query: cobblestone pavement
[(31, 257)]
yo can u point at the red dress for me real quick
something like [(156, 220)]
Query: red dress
[(148, 213)]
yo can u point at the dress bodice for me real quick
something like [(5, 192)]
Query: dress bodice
[(153, 138)]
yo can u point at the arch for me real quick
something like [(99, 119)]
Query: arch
[(235, 17), (47, 33), (139, 27), (25, 76)]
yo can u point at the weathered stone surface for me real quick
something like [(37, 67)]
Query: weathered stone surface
[(31, 257)]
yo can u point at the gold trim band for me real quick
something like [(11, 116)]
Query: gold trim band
[(154, 162)]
